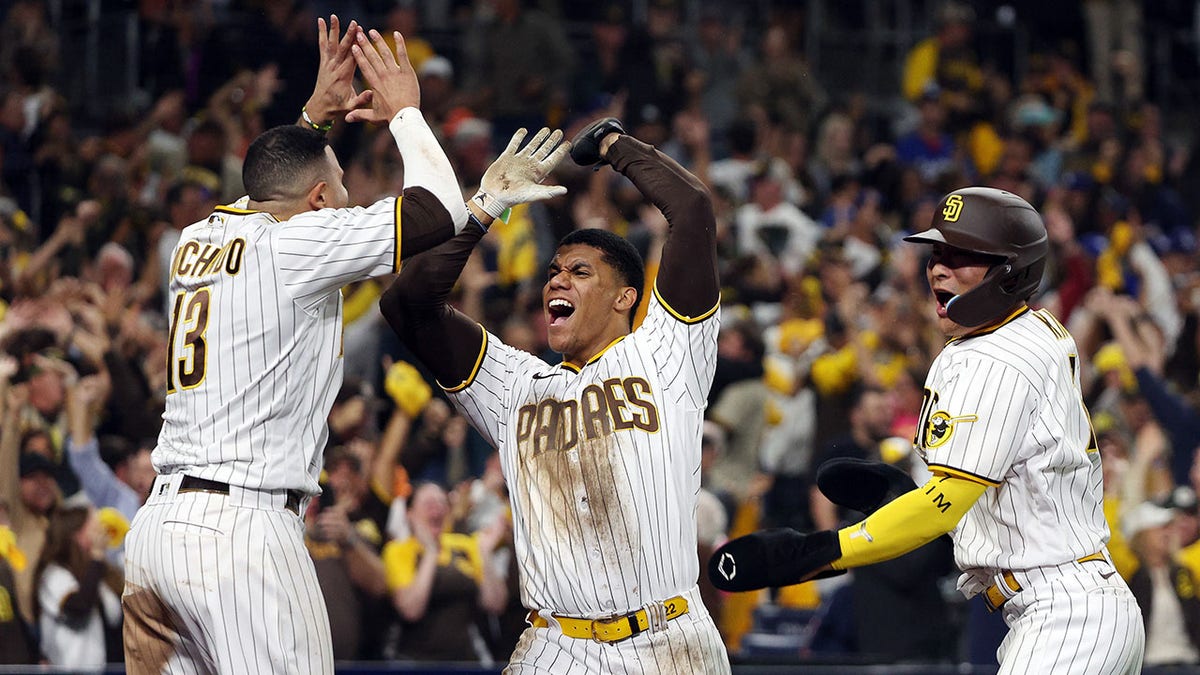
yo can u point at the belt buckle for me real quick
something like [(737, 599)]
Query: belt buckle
[(634, 629)]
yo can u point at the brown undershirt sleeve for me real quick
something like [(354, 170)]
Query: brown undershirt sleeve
[(444, 339), (687, 277)]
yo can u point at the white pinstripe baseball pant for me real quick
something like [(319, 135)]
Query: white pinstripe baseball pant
[(1076, 618), (221, 584)]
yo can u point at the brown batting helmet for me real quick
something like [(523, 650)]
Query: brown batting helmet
[(996, 223)]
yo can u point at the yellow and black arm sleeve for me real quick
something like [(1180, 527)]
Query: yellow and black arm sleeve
[(908, 522)]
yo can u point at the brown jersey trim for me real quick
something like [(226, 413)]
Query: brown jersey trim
[(685, 319), (966, 475), (474, 369)]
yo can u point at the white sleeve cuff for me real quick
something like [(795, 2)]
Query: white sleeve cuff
[(426, 164)]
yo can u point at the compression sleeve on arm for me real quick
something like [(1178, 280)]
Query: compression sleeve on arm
[(426, 165), (687, 280), (415, 306), (911, 520)]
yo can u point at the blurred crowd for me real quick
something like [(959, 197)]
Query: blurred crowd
[(827, 326)]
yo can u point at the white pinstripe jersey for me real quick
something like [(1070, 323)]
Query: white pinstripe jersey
[(254, 353), (1004, 407), (602, 462)]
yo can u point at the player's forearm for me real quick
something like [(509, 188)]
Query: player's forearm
[(908, 522), (415, 306), (426, 165), (687, 278)]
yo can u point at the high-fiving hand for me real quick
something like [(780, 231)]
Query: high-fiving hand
[(516, 175), (333, 94), (390, 76)]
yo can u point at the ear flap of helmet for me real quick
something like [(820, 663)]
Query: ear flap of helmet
[(1002, 287)]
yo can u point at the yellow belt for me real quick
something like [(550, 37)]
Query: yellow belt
[(995, 598), (611, 629)]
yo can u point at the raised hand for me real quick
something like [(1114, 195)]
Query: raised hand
[(390, 76), (516, 175), (333, 94)]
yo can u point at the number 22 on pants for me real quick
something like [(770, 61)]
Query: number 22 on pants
[(186, 362)]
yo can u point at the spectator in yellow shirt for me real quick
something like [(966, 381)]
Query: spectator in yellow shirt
[(441, 582)]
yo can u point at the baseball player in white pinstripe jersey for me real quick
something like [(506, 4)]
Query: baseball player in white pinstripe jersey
[(1016, 471), (218, 578), (602, 451)]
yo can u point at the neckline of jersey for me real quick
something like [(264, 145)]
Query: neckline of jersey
[(575, 368), (990, 329)]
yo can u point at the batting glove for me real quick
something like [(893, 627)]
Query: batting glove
[(516, 175), (773, 558), (862, 485), (585, 147)]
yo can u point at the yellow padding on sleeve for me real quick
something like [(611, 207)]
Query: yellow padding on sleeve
[(908, 522)]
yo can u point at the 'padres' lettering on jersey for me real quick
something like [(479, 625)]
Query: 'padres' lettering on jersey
[(615, 405), (254, 347), (602, 461), (1004, 408)]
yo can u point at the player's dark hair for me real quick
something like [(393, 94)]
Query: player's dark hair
[(279, 160), (619, 254)]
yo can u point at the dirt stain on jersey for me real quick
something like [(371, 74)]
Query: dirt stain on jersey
[(669, 655), (581, 506)]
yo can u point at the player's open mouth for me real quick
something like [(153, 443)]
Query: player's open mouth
[(559, 310), (943, 299)]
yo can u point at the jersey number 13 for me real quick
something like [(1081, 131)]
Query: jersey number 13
[(186, 362)]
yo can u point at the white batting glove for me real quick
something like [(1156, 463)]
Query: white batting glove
[(516, 175)]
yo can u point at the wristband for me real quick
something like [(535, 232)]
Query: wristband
[(490, 205), (478, 223), (309, 121)]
